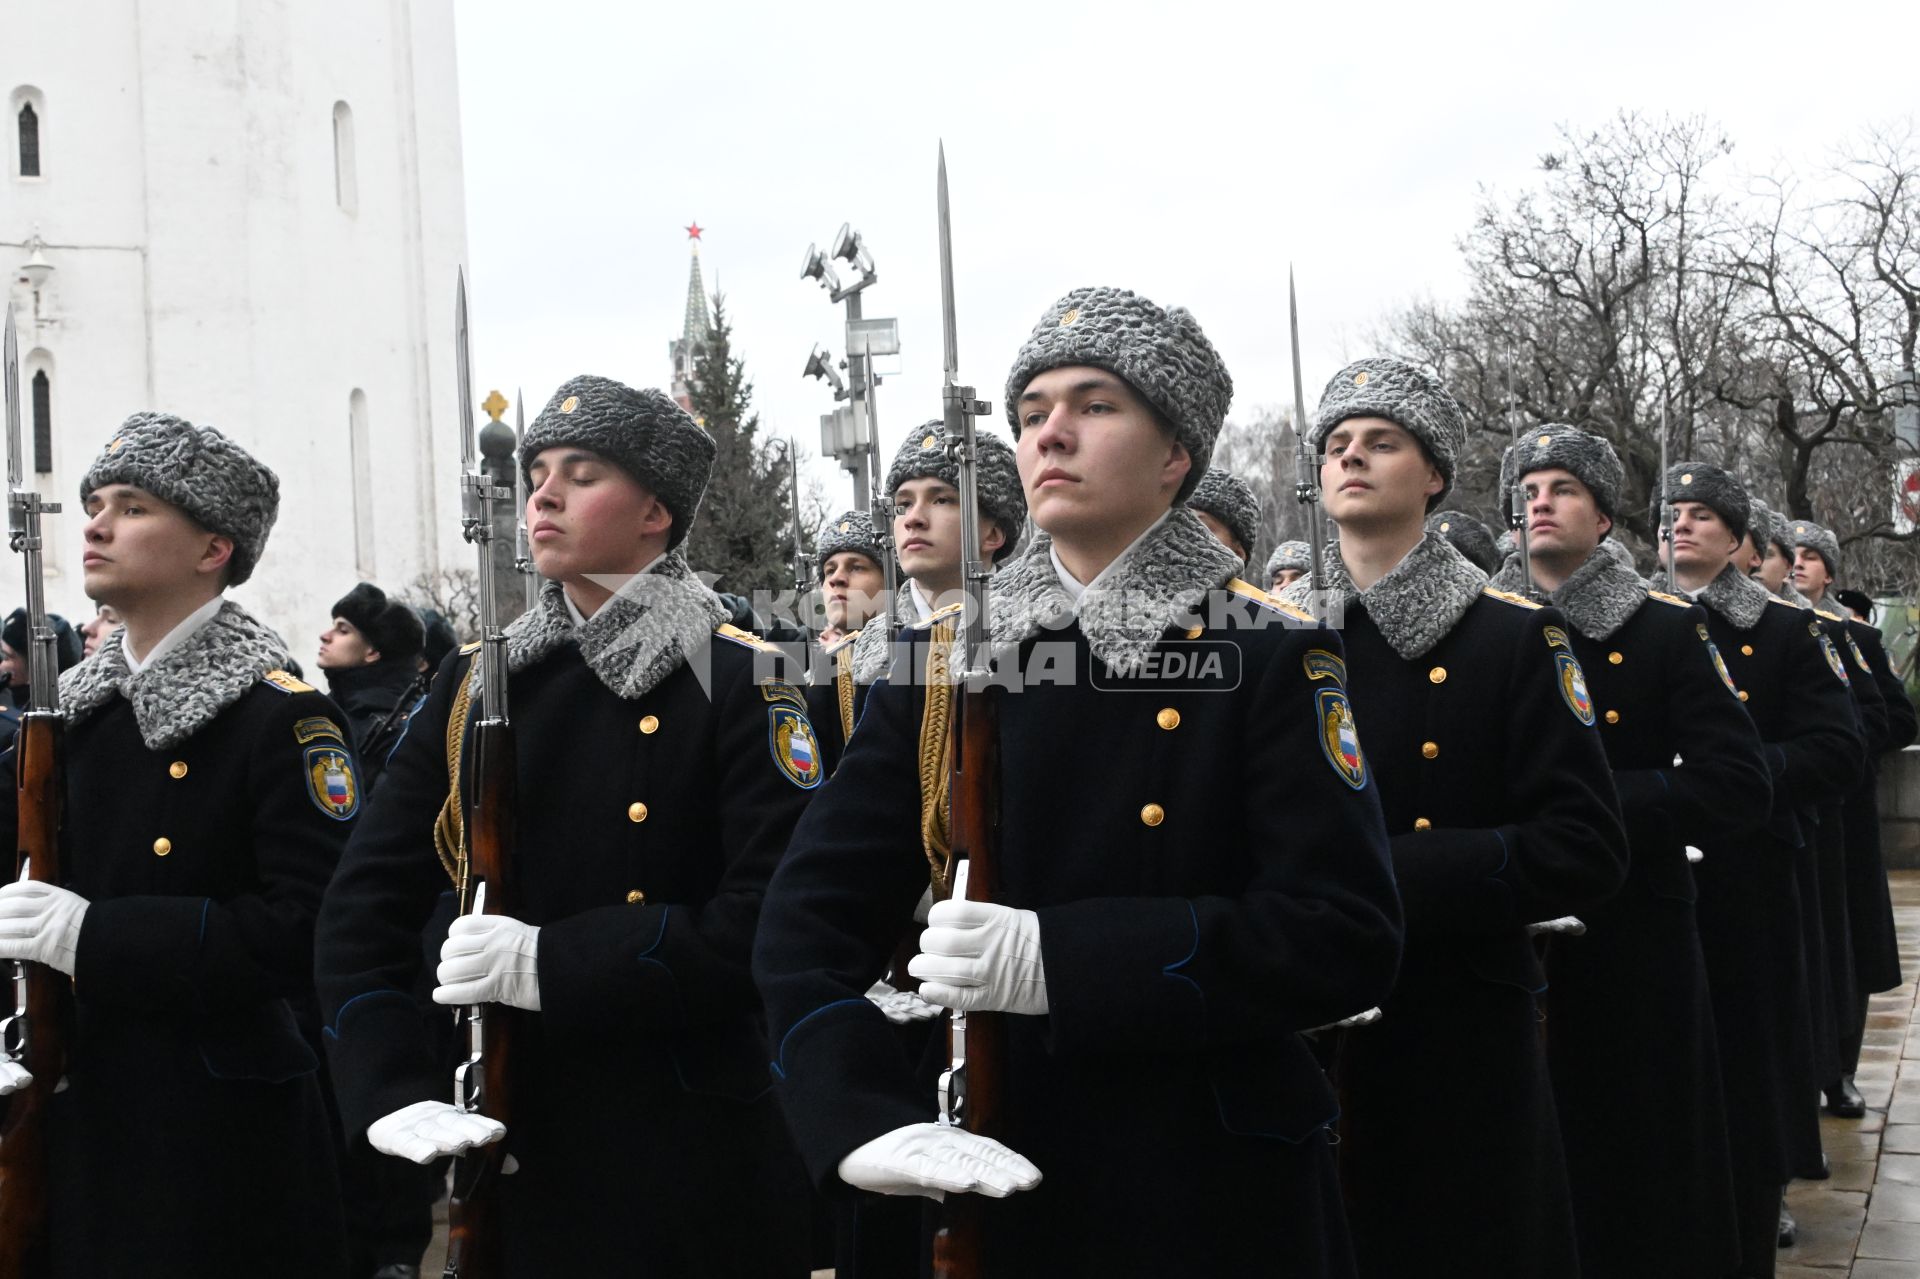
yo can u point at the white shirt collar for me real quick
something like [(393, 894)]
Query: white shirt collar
[(921, 606), (1074, 587), (182, 631)]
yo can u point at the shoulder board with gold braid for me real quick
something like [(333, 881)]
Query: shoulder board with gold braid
[(1775, 599), (746, 639), (1831, 617), (1665, 598), (1267, 599), (936, 617), (1508, 596), (285, 682)]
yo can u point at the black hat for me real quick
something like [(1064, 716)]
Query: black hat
[(393, 629), (439, 639), (67, 648)]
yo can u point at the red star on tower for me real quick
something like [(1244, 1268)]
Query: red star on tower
[(693, 232)]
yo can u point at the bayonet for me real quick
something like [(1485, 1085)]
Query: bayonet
[(1306, 488), (522, 547), (802, 567), (1517, 496)]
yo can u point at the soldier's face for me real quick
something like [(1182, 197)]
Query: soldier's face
[(1563, 520), (926, 530), (1094, 459), (1376, 473), (1810, 571), (342, 644), (140, 548), (587, 517), (1286, 577), (853, 585), (1775, 567), (1702, 542)]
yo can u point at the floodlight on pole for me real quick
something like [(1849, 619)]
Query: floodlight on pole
[(816, 268), (820, 365)]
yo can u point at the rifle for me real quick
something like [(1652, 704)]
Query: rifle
[(971, 1086), (1665, 537), (522, 548), (35, 1035), (484, 1081), (1306, 488), (1517, 498)]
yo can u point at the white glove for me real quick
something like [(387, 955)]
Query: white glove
[(426, 1130), (489, 959), (976, 956), (40, 922), (1565, 926), (932, 1159), (13, 1076), (1694, 856), (1366, 1018), (902, 1007)]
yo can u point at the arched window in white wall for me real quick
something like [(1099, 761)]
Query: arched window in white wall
[(360, 460), (42, 423), (29, 117), (346, 183)]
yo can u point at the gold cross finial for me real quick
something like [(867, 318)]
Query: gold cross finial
[(495, 404)]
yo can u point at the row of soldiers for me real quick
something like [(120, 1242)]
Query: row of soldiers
[(733, 933)]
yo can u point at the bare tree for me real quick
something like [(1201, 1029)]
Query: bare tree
[(454, 593)]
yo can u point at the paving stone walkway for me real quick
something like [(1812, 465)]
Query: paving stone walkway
[(1864, 1222)]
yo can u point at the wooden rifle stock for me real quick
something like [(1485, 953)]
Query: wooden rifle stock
[(475, 1245), (39, 778), (959, 1246)]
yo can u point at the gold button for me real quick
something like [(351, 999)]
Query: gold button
[(1545, 440), (1438, 675), (1421, 823), (162, 846), (1168, 719), (1446, 525), (636, 812), (636, 898), (1153, 814), (1616, 658), (1746, 650), (1613, 717), (1743, 694), (1195, 632), (178, 768), (1430, 749), (650, 725)]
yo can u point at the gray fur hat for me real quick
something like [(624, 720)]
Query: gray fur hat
[(1159, 352), (1820, 541), (224, 488), (1768, 525), (1227, 498), (1294, 555), (1002, 500), (1713, 487), (852, 531), (1588, 457), (1469, 537), (644, 433), (1401, 393)]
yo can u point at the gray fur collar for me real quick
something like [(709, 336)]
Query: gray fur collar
[(1600, 595), (870, 649), (1127, 612), (1736, 597), (1513, 581), (184, 690), (1418, 602), (658, 619)]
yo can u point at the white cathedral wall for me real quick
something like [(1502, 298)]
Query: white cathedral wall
[(203, 265)]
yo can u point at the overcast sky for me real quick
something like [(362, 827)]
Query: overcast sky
[(1187, 151)]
